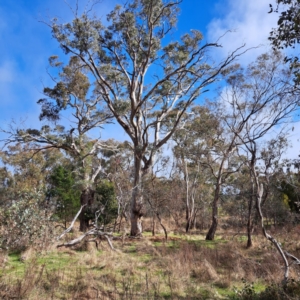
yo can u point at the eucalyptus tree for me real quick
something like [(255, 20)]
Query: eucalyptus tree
[(263, 97), (256, 100), (266, 161), (261, 175), (271, 158), (221, 161), (72, 98), (142, 73), (27, 170), (192, 144), (287, 32)]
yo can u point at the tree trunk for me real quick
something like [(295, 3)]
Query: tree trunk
[(249, 227), (136, 224), (188, 220), (136, 200), (213, 228), (250, 205), (87, 199), (194, 221), (250, 221), (162, 225), (153, 225), (190, 217), (189, 206)]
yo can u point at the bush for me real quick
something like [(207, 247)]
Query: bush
[(25, 222)]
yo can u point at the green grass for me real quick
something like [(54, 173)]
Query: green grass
[(15, 265), (56, 260)]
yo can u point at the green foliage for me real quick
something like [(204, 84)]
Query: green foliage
[(105, 204), (106, 198), (287, 33), (290, 196), (67, 197)]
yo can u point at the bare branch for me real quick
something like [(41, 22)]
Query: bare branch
[(72, 223)]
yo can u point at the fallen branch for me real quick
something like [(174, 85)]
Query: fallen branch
[(90, 232), (72, 224), (294, 258)]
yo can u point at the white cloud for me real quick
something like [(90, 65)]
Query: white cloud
[(6, 72), (251, 24)]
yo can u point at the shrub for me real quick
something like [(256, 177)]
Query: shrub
[(25, 222)]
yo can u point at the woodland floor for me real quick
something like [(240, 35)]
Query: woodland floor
[(184, 267)]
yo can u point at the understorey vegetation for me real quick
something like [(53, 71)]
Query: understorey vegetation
[(199, 201)]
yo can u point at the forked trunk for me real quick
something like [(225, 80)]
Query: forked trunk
[(190, 216)]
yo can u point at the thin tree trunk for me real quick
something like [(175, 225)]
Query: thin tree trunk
[(213, 228), (153, 225), (187, 196), (190, 201), (249, 224), (194, 221), (250, 221), (162, 225)]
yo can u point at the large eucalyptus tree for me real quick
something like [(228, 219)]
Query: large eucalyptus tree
[(143, 75)]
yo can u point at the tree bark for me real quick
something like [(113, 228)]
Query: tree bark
[(86, 200), (136, 200), (213, 228), (250, 221), (249, 226), (153, 225)]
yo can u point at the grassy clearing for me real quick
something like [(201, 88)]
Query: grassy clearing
[(185, 267)]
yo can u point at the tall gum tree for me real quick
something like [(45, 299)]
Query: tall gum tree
[(193, 142), (142, 77)]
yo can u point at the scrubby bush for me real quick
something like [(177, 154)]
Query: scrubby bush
[(25, 222)]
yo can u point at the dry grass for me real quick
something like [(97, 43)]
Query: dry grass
[(185, 267)]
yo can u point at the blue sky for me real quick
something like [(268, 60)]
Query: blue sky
[(26, 43)]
